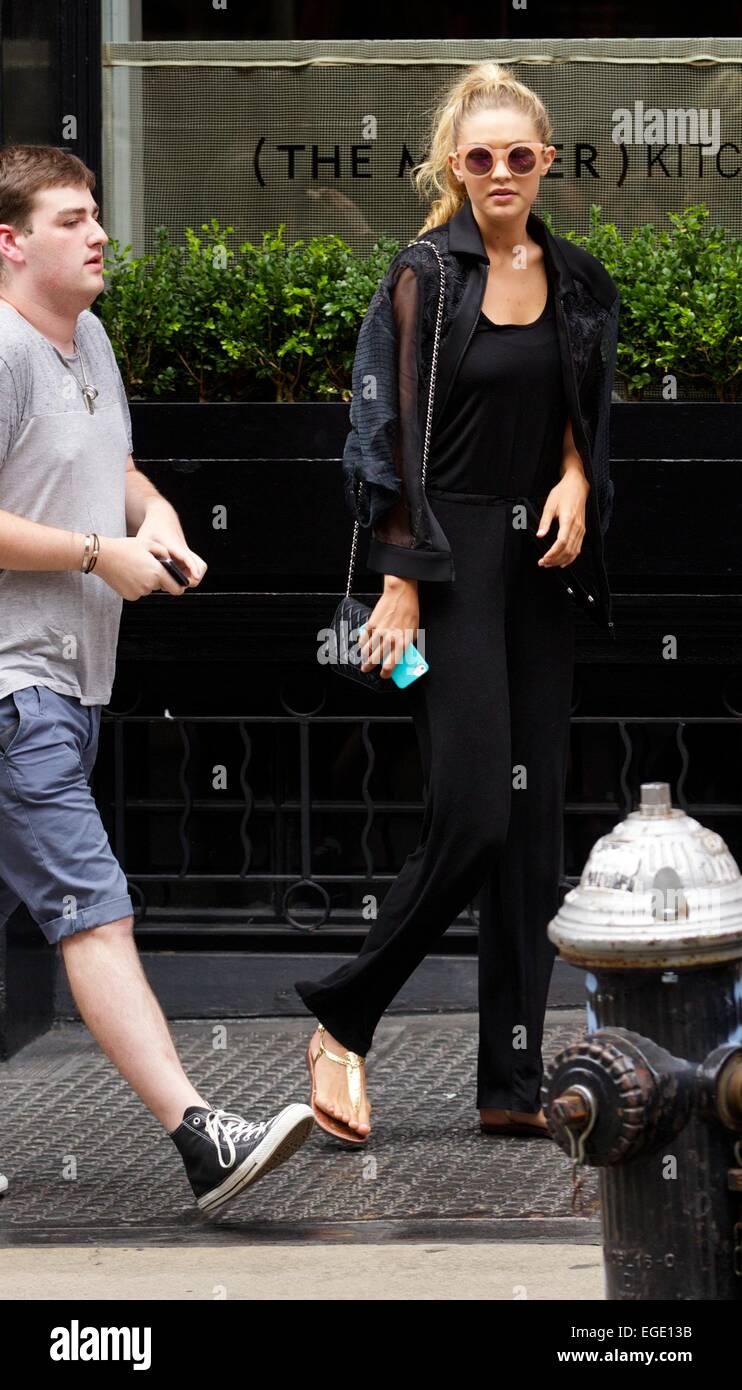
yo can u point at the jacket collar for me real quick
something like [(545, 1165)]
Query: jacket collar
[(464, 237)]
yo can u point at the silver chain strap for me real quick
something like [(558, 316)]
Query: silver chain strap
[(431, 392)]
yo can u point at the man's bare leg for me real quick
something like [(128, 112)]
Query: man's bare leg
[(116, 1002)]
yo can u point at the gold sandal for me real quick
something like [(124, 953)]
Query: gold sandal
[(352, 1062)]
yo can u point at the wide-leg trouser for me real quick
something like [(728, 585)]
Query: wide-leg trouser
[(492, 722)]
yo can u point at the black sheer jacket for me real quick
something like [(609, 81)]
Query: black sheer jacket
[(391, 375)]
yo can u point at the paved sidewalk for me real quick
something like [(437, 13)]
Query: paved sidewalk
[(429, 1270), (431, 1208)]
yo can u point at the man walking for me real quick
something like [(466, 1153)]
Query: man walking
[(81, 529)]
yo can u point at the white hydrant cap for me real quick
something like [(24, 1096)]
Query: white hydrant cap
[(658, 890)]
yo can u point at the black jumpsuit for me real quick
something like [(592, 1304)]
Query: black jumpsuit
[(492, 721)]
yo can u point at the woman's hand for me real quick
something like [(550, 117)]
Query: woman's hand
[(566, 502), (391, 626)]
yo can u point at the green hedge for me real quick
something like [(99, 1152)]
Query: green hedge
[(276, 322)]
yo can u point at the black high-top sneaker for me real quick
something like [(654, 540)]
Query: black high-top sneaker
[(223, 1152)]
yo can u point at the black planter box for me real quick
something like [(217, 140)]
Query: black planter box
[(276, 571), (276, 470)]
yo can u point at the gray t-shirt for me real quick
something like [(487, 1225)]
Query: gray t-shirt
[(61, 466)]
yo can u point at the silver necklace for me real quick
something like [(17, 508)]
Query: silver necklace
[(89, 392)]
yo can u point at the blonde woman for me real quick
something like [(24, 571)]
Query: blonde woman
[(522, 399)]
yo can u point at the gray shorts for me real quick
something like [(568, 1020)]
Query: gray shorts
[(55, 855)]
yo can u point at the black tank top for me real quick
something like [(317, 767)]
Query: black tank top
[(502, 428)]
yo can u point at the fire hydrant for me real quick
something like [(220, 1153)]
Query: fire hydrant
[(651, 1094)]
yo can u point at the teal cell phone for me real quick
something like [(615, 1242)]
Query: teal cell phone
[(409, 668)]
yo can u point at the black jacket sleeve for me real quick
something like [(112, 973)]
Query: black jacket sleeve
[(598, 419), (384, 444), (393, 527)]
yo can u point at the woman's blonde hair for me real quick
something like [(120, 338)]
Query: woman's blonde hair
[(483, 86)]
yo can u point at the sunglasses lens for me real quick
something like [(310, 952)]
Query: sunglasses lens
[(478, 161), (521, 160)]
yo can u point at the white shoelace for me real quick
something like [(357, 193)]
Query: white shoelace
[(231, 1127)]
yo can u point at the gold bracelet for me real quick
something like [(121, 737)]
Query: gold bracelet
[(96, 548), (89, 559)]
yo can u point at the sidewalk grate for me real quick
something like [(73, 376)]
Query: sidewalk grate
[(426, 1165)]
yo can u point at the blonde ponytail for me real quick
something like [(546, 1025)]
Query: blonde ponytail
[(483, 86)]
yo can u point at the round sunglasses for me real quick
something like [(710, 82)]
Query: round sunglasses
[(520, 157)]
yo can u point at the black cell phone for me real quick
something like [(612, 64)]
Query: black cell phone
[(175, 571), (570, 575)]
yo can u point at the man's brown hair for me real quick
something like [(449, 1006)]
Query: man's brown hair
[(27, 169)]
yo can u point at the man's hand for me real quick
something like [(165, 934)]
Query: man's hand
[(566, 502), (161, 525), (129, 565)]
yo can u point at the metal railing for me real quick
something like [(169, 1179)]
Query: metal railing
[(268, 833)]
